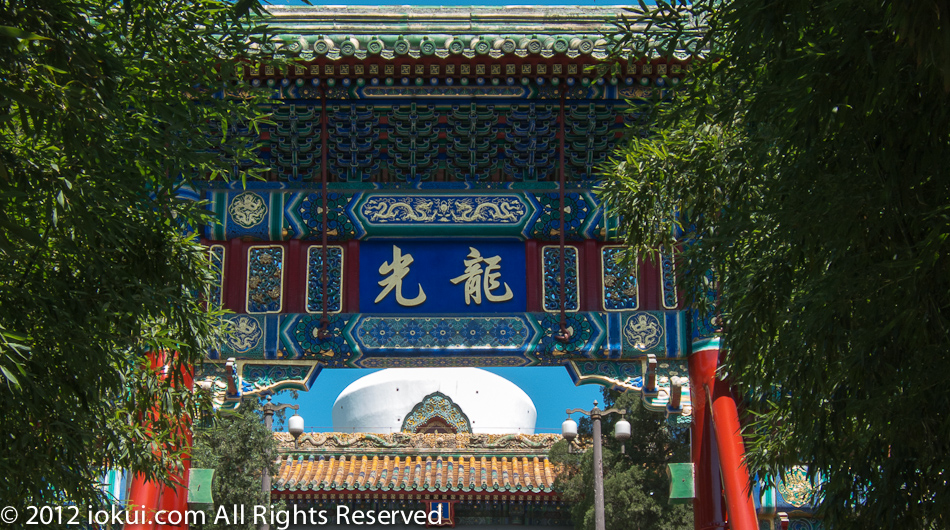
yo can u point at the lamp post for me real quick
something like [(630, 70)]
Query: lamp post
[(294, 426), (621, 432)]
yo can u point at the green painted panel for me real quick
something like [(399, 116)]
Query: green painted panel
[(199, 486), (682, 488)]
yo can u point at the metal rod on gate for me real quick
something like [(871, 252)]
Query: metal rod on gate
[(324, 154), (563, 334)]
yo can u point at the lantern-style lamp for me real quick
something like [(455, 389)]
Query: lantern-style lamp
[(295, 426), (569, 429), (622, 432)]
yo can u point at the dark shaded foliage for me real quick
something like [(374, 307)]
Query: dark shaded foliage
[(805, 158), (99, 128)]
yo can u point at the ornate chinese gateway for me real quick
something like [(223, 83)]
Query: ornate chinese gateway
[(459, 148), (431, 202)]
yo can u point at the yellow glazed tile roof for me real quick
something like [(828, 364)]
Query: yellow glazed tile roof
[(324, 473)]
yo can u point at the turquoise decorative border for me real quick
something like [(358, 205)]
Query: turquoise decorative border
[(519, 339), (293, 214)]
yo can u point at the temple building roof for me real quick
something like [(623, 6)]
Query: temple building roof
[(417, 474), (435, 400), (416, 463), (338, 32), (422, 431)]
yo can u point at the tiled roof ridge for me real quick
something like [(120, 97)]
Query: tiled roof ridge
[(341, 17), (421, 444), (390, 32)]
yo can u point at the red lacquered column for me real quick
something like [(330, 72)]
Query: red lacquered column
[(735, 474), (702, 370), (148, 497), (175, 499), (728, 437)]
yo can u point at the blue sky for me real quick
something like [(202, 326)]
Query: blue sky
[(550, 388)]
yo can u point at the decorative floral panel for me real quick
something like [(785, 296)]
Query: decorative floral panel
[(315, 281), (245, 337), (644, 332), (265, 279), (551, 272), (577, 215), (216, 253), (435, 405), (670, 300), (621, 288), (796, 488), (305, 216), (476, 333)]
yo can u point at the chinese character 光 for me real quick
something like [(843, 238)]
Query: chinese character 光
[(473, 278), (399, 268)]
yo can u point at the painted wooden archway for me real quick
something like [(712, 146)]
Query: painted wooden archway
[(431, 203)]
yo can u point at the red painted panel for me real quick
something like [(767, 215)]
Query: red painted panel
[(295, 277), (235, 282), (351, 277), (591, 276), (533, 277), (649, 278)]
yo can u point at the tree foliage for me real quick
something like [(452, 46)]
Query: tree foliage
[(803, 160), (100, 128), (235, 445), (636, 486)]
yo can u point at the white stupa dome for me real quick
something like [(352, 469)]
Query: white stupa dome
[(434, 400)]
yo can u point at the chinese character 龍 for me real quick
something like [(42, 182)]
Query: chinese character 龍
[(473, 278)]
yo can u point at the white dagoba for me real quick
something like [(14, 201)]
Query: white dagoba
[(380, 402)]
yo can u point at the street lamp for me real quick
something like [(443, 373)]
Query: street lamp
[(621, 432), (294, 425)]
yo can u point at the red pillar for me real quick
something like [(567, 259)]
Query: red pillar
[(707, 513), (144, 496), (711, 450), (735, 474), (150, 497), (714, 397), (175, 499)]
